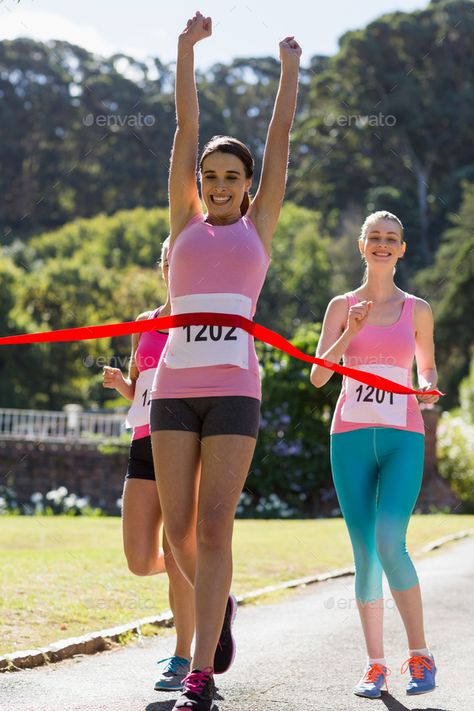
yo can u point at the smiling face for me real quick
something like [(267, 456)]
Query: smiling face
[(223, 186), (382, 244)]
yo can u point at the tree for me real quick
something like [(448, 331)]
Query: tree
[(392, 109), (15, 361), (296, 289), (449, 285), (80, 135), (87, 272)]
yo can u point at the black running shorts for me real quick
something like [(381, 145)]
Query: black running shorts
[(224, 415)]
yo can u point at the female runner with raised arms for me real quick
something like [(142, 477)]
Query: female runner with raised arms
[(377, 442), (206, 394)]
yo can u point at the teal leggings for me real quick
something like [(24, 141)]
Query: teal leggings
[(377, 473)]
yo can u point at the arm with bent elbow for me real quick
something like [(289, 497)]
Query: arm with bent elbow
[(425, 355), (335, 338)]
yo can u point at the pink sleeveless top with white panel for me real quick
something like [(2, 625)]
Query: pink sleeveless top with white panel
[(147, 356), (387, 351), (213, 268)]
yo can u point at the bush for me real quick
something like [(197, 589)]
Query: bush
[(466, 395), (456, 455), (291, 469)]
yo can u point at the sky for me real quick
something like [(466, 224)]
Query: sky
[(144, 28)]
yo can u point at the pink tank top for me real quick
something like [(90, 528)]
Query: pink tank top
[(388, 351), (218, 268), (148, 353)]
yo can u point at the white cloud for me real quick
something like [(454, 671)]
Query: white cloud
[(43, 26)]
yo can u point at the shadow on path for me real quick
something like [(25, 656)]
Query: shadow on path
[(387, 699), (161, 705), (168, 705), (393, 705)]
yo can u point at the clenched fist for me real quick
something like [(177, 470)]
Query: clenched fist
[(290, 51), (111, 377), (428, 399), (357, 316), (197, 28)]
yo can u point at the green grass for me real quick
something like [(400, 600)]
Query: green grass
[(64, 576)]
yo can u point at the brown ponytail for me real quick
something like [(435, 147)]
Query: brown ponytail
[(245, 204)]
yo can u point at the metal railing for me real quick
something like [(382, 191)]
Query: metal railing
[(70, 426)]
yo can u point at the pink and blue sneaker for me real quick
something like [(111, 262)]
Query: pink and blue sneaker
[(372, 681), (198, 692), (422, 674)]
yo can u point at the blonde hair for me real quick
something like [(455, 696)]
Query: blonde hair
[(164, 251), (375, 217), (380, 215)]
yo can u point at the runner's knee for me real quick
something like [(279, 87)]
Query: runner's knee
[(214, 531), (141, 565)]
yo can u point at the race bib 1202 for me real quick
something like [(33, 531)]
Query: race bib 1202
[(366, 404), (198, 346)]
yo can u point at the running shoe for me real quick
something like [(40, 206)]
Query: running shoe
[(422, 674), (198, 691), (225, 650), (372, 681), (172, 676)]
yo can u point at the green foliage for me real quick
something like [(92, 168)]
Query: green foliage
[(13, 358), (291, 469), (466, 395), (456, 455), (87, 272), (74, 143), (449, 286), (391, 109), (296, 289), (85, 134), (120, 447), (455, 443)]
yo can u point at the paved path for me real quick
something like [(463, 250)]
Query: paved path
[(303, 652)]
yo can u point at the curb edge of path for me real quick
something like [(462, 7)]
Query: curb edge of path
[(103, 639)]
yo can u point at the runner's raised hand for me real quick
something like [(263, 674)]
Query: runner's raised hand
[(197, 28)]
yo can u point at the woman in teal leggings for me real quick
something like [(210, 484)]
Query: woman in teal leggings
[(377, 442)]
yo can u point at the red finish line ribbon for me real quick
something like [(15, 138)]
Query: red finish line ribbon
[(211, 319)]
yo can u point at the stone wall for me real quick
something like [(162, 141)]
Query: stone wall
[(27, 467)]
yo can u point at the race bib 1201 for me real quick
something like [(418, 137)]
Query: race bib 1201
[(139, 413), (366, 404), (197, 346)]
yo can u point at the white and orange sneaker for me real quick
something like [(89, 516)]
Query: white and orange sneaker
[(372, 681)]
